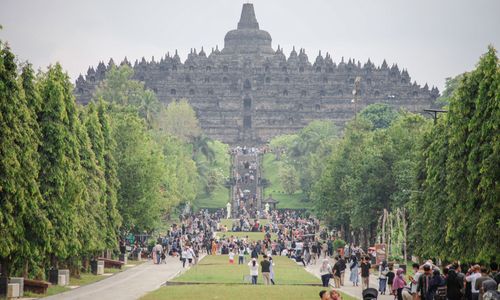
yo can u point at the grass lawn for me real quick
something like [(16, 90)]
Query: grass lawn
[(241, 292), (52, 290), (253, 236), (271, 169), (216, 269), (227, 281)]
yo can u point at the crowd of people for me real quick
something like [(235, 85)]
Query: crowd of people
[(454, 281), (427, 282), (298, 236)]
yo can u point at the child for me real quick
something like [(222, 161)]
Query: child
[(390, 277), (231, 256)]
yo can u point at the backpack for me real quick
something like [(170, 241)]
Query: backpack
[(491, 295), (440, 293)]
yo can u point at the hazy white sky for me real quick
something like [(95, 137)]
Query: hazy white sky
[(433, 39)]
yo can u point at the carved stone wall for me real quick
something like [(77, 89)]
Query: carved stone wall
[(248, 93)]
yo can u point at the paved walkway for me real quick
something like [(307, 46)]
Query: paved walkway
[(354, 291), (128, 285)]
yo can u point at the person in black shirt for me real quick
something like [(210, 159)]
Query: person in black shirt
[(265, 265), (390, 278), (336, 273), (342, 269), (365, 273), (424, 283)]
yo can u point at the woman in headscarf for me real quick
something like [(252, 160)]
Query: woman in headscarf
[(354, 278), (399, 283), (326, 272)]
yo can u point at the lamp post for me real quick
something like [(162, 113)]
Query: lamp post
[(355, 93)]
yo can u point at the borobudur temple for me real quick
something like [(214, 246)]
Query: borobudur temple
[(248, 92)]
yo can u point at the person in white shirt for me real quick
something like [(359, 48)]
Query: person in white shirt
[(326, 272), (241, 256), (157, 251), (254, 270), (183, 256), (475, 273), (231, 256), (188, 255), (414, 280)]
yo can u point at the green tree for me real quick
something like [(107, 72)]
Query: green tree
[(92, 211), (289, 180), (60, 175), (21, 219), (119, 88), (179, 119), (379, 114), (105, 150), (27, 261), (140, 171), (451, 84), (458, 172)]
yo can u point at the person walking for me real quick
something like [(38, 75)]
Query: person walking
[(390, 277), (326, 272), (365, 273), (254, 270), (157, 251), (382, 279), (214, 248), (184, 257), (336, 273), (342, 269), (324, 249), (189, 256), (354, 278), (271, 269), (398, 284), (265, 269)]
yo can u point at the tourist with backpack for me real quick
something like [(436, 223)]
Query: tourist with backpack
[(437, 286), (454, 285)]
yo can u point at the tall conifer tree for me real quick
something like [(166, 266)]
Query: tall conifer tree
[(60, 175), (110, 173), (19, 191)]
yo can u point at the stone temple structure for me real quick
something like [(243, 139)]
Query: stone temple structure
[(249, 92)]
